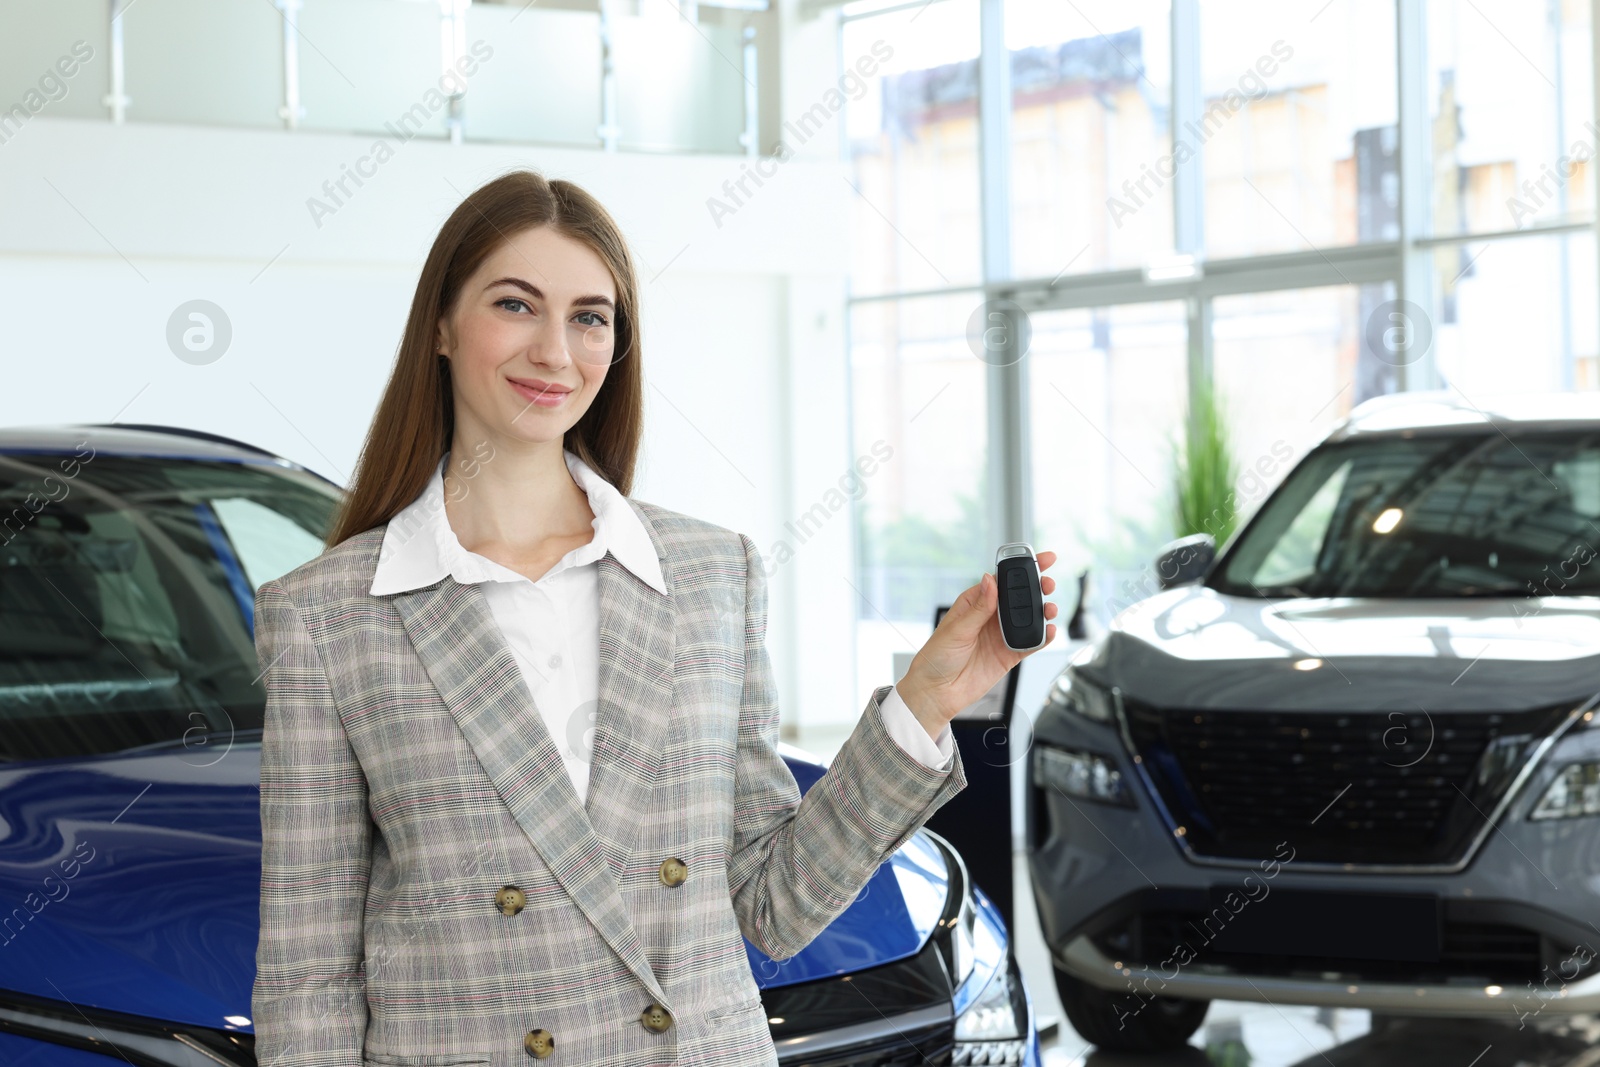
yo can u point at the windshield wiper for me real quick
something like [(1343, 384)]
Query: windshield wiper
[(1505, 589)]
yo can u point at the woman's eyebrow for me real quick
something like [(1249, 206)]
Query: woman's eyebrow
[(533, 290)]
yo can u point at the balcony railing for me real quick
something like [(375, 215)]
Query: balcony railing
[(662, 81)]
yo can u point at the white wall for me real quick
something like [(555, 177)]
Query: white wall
[(105, 230)]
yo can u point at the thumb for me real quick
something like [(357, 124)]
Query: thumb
[(977, 603)]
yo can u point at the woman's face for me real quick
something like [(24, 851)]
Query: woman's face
[(530, 338)]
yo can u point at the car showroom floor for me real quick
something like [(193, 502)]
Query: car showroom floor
[(1262, 1035)]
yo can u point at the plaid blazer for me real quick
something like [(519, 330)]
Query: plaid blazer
[(432, 891)]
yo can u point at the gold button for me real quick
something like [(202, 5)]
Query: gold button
[(656, 1019), (673, 871), (539, 1043), (510, 900)]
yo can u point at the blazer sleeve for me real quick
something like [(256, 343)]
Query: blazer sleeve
[(798, 862), (309, 1002)]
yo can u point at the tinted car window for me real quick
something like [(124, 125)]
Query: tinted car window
[(127, 587), (1434, 515)]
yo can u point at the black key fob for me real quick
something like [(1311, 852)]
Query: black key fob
[(1021, 608)]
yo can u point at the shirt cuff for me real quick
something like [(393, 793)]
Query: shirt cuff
[(912, 736)]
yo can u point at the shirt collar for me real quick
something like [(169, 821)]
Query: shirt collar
[(420, 547)]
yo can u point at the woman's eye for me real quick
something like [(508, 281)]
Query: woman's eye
[(507, 301), (600, 320)]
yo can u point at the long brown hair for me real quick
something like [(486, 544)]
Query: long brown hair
[(415, 419)]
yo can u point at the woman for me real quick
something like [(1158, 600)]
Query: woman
[(520, 794)]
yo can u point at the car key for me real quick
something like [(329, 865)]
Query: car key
[(1021, 607)]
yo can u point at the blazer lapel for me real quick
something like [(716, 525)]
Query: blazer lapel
[(635, 703), (586, 846)]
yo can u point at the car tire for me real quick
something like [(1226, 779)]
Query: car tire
[(1116, 1022)]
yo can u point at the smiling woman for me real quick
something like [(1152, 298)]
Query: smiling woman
[(484, 296), (513, 651), (503, 312)]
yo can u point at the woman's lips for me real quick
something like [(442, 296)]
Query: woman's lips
[(545, 398)]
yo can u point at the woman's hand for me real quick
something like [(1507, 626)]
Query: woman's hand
[(966, 654)]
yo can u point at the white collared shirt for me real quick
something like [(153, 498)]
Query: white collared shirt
[(552, 626)]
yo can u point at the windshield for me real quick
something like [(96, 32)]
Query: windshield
[(127, 591), (1480, 513)]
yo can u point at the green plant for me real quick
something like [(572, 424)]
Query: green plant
[(1205, 470), (1228, 1053)]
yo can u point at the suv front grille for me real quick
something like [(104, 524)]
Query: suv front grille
[(1405, 788)]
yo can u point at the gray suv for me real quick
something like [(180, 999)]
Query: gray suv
[(1350, 760)]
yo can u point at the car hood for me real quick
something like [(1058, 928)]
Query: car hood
[(131, 883), (1195, 647), (892, 917)]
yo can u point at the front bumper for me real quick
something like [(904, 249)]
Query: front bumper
[(1520, 922), (1084, 960)]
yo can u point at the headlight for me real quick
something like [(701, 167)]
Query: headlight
[(994, 1028), (1575, 791), (991, 1007), (975, 947), (1073, 692), (1080, 774)]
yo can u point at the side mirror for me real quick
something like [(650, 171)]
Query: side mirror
[(1185, 560)]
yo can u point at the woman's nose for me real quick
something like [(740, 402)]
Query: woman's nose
[(549, 346)]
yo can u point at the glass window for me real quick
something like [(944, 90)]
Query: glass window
[(376, 67), (913, 147), (230, 56), (54, 60), (1091, 134), (1107, 391), (1286, 369), (1476, 512), (680, 84), (126, 604), (557, 56), (1297, 124), (1518, 314), (267, 541), (1511, 91), (917, 404), (1293, 558)]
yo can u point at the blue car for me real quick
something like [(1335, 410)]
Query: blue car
[(130, 836)]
